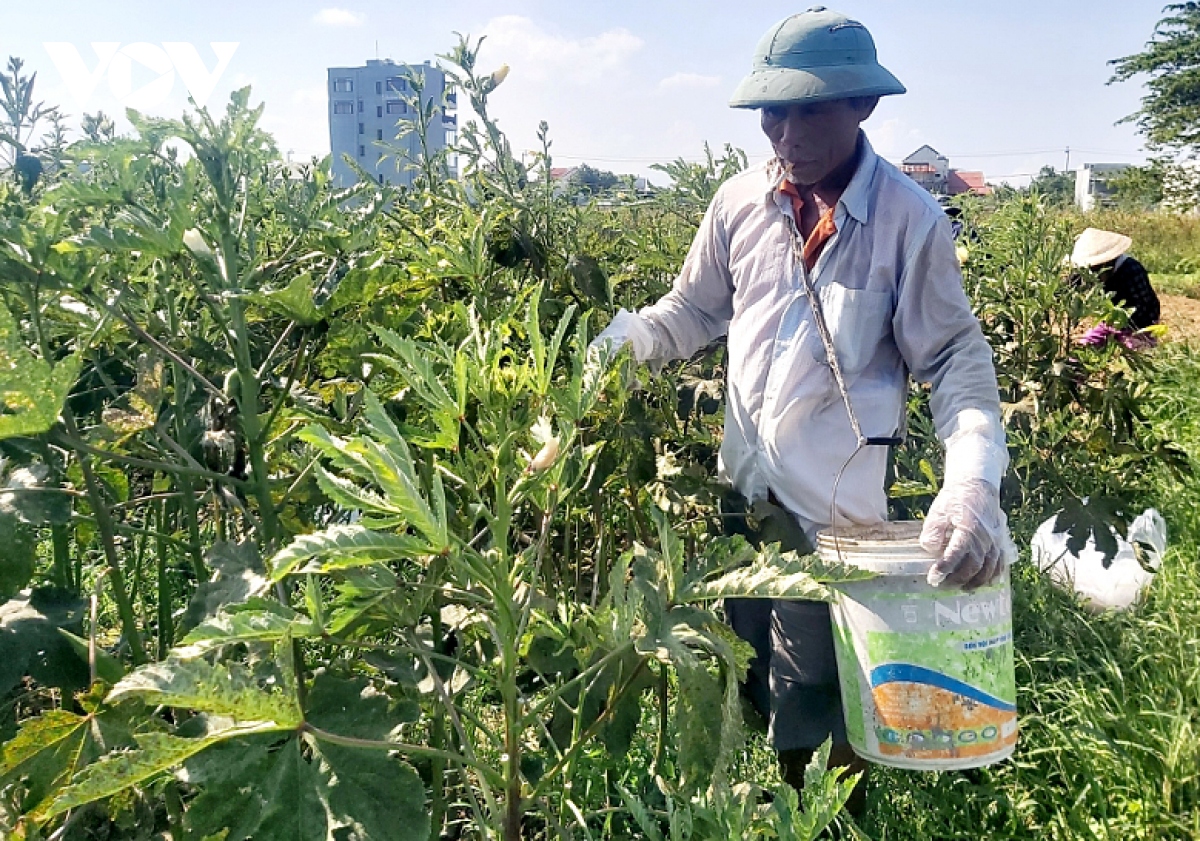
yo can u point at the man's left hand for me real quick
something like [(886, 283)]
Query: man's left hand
[(967, 528)]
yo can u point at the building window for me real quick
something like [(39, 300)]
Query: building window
[(379, 134), (360, 128), (343, 106), (397, 84), (379, 87), (395, 106), (343, 85), (361, 150), (378, 110), (360, 106)]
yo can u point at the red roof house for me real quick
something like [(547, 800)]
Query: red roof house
[(967, 181)]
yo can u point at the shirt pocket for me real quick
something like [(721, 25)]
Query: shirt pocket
[(859, 320)]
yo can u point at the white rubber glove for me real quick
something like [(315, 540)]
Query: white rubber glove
[(965, 524), (626, 328)]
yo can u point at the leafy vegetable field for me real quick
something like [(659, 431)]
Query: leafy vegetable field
[(320, 521)]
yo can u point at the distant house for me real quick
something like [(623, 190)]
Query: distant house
[(927, 167), (1091, 184), (931, 169), (967, 181)]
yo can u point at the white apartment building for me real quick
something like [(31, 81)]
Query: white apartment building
[(367, 106)]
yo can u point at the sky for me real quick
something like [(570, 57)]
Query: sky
[(1003, 86)]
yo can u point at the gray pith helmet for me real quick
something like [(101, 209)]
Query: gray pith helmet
[(814, 56)]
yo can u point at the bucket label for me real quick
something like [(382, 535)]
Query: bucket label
[(943, 694)]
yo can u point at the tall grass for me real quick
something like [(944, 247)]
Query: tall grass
[(1110, 704)]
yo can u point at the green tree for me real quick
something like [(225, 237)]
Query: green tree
[(1170, 113), (593, 181), (1057, 188), (1141, 187)]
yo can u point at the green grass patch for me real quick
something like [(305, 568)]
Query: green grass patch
[(1185, 284)]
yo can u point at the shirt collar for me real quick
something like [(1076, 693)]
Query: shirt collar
[(856, 197)]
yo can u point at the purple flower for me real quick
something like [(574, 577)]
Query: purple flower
[(1098, 335), (1131, 339)]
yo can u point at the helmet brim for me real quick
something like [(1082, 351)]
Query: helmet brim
[(768, 86)]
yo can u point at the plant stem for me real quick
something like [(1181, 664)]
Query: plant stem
[(437, 738), (183, 483), (248, 406), (297, 366), (401, 747), (60, 537), (155, 343), (104, 524), (74, 442), (166, 633), (590, 733), (664, 709)]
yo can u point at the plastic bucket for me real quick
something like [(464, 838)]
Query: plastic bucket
[(927, 676)]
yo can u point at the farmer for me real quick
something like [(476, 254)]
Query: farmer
[(828, 219), (1124, 278)]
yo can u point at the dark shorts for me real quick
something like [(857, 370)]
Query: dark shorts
[(793, 679)]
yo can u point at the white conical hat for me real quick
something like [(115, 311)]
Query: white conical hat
[(1095, 247)]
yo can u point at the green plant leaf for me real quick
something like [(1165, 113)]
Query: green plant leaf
[(373, 796), (258, 620), (156, 753), (237, 575), (251, 789), (31, 391), (776, 575), (826, 791), (294, 301), (30, 642), (385, 459), (699, 718), (340, 547), (43, 754), (352, 707), (590, 279), (199, 685), (415, 363), (108, 668), (260, 794), (34, 498)]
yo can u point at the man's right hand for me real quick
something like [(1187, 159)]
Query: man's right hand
[(626, 328)]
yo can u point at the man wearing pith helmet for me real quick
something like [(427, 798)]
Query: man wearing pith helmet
[(829, 232)]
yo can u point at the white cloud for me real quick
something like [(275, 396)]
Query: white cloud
[(688, 81), (335, 16), (893, 138), (539, 55)]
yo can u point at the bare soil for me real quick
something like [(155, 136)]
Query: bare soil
[(1182, 317)]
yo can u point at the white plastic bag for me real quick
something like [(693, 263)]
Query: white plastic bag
[(1119, 585)]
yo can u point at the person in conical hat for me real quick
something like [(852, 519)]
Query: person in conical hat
[(1123, 277), (828, 227)]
